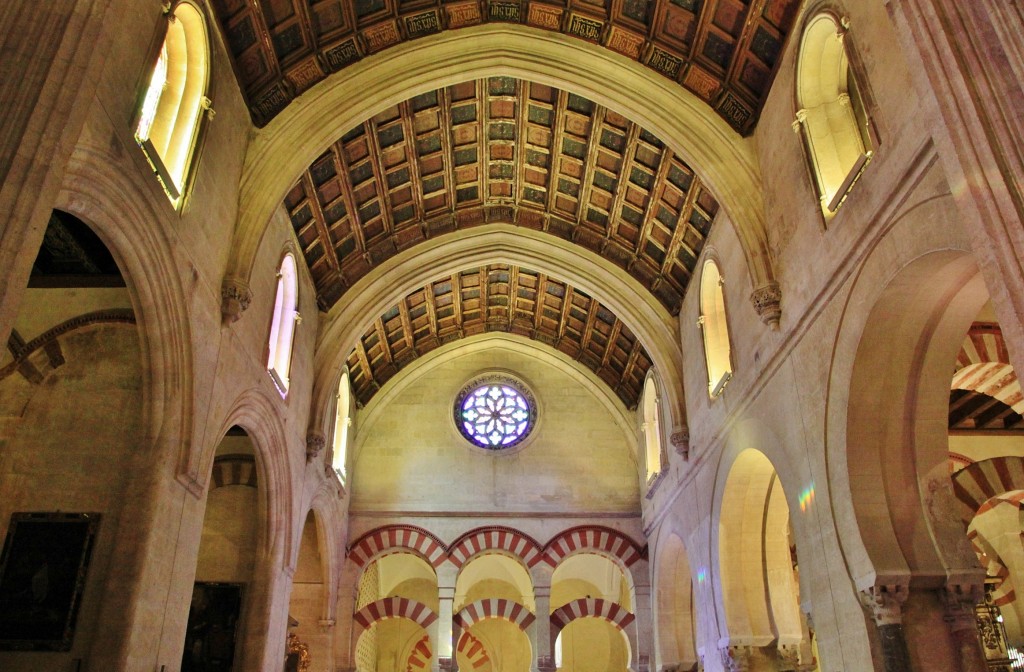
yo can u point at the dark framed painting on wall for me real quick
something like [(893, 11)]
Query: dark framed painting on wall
[(42, 574)]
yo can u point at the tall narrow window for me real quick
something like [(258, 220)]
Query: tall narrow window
[(342, 421), (716, 330), (652, 428), (175, 99), (831, 115), (282, 329)]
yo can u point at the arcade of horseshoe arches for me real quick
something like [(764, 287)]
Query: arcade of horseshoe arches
[(511, 335)]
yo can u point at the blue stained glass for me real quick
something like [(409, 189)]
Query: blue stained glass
[(494, 416)]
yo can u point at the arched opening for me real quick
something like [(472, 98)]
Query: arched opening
[(175, 98), (592, 644), (715, 328), (282, 326), (589, 576), (675, 608), (835, 126), (652, 429), (71, 402), (227, 558), (493, 576), (394, 643), (757, 559), (306, 604), (342, 425)]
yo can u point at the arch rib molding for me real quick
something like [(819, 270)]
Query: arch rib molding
[(585, 607), (602, 540), (495, 539), (279, 153), (395, 607), (395, 538), (494, 608)]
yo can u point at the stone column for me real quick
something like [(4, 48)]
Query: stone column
[(643, 623), (442, 641), (343, 632), (963, 627), (541, 640), (967, 64), (885, 604)]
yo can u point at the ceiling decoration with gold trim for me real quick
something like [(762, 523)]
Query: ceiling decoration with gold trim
[(500, 298), (508, 151), (724, 51)]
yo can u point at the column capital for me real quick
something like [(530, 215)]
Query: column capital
[(960, 600), (767, 300), (235, 297), (885, 603), (315, 443), (736, 658)]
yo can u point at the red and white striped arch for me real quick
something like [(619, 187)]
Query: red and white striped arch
[(395, 539), (395, 607), (593, 539), (585, 607), (983, 365), (495, 539), (980, 481), (494, 608), (1002, 590)]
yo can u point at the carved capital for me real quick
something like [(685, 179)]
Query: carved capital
[(315, 442), (681, 441), (960, 601), (885, 603), (546, 663), (736, 658), (325, 624), (446, 664), (767, 300), (235, 297)]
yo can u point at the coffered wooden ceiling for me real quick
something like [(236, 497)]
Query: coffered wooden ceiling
[(504, 299), (501, 150), (724, 51)]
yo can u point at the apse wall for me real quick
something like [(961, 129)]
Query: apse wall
[(409, 455)]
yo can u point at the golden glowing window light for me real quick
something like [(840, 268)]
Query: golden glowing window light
[(342, 422), (717, 351), (168, 122), (652, 428), (831, 114)]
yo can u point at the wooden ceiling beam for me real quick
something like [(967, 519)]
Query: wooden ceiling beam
[(415, 179), (652, 202), (622, 183), (609, 347), (380, 178), (320, 220), (456, 283), (589, 166), (557, 134), (566, 307), (538, 305), (364, 361), (342, 169), (403, 312), (382, 336)]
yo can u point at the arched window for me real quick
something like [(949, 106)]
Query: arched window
[(282, 329), (175, 99), (831, 114), (652, 428), (716, 330), (342, 421)]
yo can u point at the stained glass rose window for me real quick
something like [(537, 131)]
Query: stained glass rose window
[(495, 412)]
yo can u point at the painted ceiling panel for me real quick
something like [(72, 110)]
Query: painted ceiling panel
[(500, 298), (724, 51), (501, 150)]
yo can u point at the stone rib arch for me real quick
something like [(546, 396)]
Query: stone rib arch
[(587, 607), (394, 607), (281, 151), (394, 539), (979, 482), (388, 283), (515, 613), (594, 539), (506, 539)]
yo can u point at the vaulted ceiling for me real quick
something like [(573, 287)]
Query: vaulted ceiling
[(724, 51), (500, 298), (501, 150)]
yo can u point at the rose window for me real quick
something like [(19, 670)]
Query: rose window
[(494, 415)]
